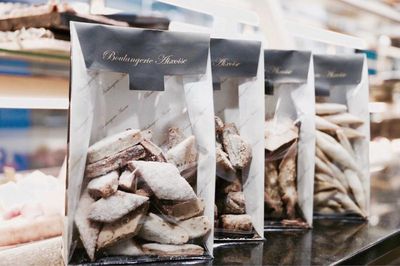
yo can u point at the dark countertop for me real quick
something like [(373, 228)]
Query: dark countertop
[(330, 241)]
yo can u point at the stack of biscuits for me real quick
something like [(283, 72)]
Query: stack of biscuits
[(233, 155), (280, 192), (280, 186), (136, 200)]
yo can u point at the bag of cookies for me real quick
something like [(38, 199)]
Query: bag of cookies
[(289, 139), (237, 69), (342, 182), (141, 146)]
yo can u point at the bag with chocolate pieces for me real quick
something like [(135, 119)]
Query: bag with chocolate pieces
[(141, 162), (237, 67)]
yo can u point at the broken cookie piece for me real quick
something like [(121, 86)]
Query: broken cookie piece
[(241, 222), (175, 136), (344, 119), (113, 144), (88, 230), (234, 186), (156, 229), (287, 181), (196, 227), (272, 198), (126, 227), (239, 151), (114, 162), (110, 209), (219, 126), (184, 210), (216, 221), (184, 154), (128, 247), (235, 203), (279, 133), (127, 182), (103, 186), (172, 250), (223, 162), (164, 180), (145, 191), (154, 153), (329, 108)]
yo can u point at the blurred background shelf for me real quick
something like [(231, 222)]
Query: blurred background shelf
[(34, 85), (33, 92), (34, 79)]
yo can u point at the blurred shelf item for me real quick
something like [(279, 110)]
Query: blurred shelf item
[(325, 36), (34, 63), (34, 92), (374, 7), (48, 16), (53, 55), (384, 76), (217, 10), (56, 18), (44, 252), (31, 207), (32, 148), (151, 22), (378, 107), (33, 39), (390, 51), (42, 45)]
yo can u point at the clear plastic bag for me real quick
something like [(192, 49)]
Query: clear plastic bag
[(140, 173), (238, 103), (289, 139), (342, 137)]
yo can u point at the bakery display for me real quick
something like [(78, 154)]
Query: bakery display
[(31, 208)]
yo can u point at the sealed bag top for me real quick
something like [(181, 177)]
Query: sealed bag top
[(289, 138), (289, 66), (150, 55), (342, 136), (233, 59), (141, 146), (237, 69), (336, 70)]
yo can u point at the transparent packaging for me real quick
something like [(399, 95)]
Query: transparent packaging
[(342, 139), (141, 167), (289, 140), (238, 105)]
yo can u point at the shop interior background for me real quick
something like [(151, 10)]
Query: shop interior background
[(34, 88)]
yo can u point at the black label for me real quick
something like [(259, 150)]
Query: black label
[(336, 70), (146, 55), (285, 66), (233, 58)]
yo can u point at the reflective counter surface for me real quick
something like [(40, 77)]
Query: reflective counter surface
[(330, 242)]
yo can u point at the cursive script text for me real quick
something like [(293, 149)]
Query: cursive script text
[(225, 62)]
